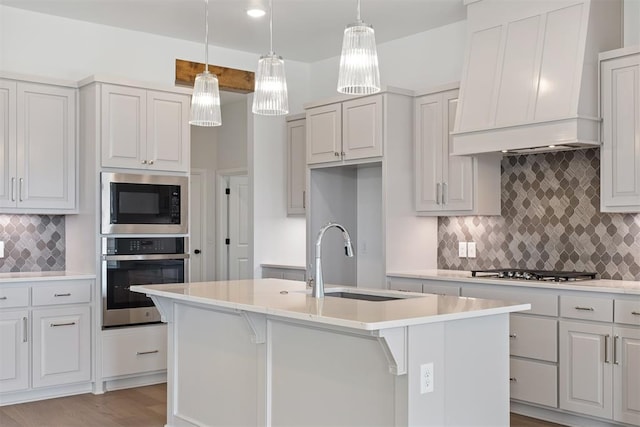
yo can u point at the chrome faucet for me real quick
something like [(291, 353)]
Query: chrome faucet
[(318, 283)]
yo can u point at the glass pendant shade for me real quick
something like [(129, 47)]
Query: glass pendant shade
[(359, 73), (270, 98), (205, 102)]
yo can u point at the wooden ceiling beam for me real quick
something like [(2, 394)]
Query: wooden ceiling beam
[(229, 79)]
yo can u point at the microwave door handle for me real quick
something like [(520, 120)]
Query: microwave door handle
[(149, 257)]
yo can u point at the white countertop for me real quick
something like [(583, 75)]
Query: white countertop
[(609, 286), (291, 299), (43, 276)]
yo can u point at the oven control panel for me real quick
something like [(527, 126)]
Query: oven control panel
[(143, 245)]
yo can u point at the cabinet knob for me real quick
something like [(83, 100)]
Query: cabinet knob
[(335, 153), (144, 162), (150, 162)]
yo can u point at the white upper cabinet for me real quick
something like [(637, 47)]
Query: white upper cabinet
[(296, 166), (447, 184), (144, 129), (37, 147), (529, 78), (620, 153), (343, 131)]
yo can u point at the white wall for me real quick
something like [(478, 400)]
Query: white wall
[(232, 138), (631, 22)]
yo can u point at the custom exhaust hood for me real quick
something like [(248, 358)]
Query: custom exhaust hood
[(530, 76)]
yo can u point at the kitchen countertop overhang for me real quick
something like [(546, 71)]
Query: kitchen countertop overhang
[(39, 276)]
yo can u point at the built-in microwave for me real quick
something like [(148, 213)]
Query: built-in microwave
[(141, 204)]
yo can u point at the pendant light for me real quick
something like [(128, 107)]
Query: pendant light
[(359, 74), (205, 101), (270, 97)]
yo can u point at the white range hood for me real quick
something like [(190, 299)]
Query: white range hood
[(530, 77)]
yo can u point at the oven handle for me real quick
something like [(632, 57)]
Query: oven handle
[(143, 257)]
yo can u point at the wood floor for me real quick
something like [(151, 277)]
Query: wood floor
[(136, 407)]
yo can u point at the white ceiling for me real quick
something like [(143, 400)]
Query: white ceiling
[(304, 30)]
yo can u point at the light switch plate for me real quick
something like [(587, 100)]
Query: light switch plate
[(1, 249), (471, 249), (462, 249)]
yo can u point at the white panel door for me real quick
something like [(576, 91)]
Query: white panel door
[(428, 152), (620, 162), (362, 128), (324, 133), (61, 346), (124, 131), (586, 373), (14, 351), (46, 156), (7, 143), (626, 375), (457, 171), (239, 267), (296, 167), (168, 131)]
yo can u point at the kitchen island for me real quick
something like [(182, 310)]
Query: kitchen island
[(264, 352)]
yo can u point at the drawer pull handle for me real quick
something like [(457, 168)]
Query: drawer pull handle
[(636, 313), (24, 329), (513, 380), (514, 336), (577, 307), (3, 298), (68, 294), (55, 325), (606, 349), (615, 350), (140, 353)]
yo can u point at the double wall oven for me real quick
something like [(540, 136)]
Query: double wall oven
[(144, 226)]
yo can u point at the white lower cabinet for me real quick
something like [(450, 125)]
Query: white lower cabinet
[(14, 350), (534, 382), (136, 350), (286, 273), (61, 346)]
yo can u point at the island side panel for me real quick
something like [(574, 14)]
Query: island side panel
[(477, 371), (324, 377), (216, 378)]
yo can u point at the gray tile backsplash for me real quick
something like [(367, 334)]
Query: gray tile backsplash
[(32, 243), (550, 220)]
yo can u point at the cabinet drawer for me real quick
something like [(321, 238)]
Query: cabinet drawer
[(542, 304), (534, 382), (533, 337), (134, 350), (440, 289), (405, 285), (62, 292), (626, 311), (14, 297), (586, 308)]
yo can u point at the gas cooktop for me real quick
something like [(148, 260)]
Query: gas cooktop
[(540, 275)]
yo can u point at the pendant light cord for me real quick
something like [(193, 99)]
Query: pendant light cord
[(206, 36), (271, 27)]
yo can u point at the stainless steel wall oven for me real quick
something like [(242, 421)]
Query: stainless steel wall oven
[(144, 204), (138, 261)]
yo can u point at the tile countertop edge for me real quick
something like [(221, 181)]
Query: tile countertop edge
[(42, 276), (597, 285), (169, 291)]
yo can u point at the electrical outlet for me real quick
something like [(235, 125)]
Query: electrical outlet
[(1, 249), (426, 378), (462, 249), (471, 249)]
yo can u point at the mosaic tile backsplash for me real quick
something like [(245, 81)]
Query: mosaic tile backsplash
[(32, 243), (551, 220)]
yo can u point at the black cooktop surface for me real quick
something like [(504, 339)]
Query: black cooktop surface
[(543, 275)]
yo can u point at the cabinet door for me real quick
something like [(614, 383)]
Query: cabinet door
[(61, 346), (14, 351), (124, 131), (428, 152), (457, 171), (7, 143), (586, 372), (324, 133), (620, 157), (168, 131), (362, 128), (296, 167), (626, 377), (46, 141)]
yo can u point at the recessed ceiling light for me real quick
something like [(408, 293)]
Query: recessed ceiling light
[(256, 13)]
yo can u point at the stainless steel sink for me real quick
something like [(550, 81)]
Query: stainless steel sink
[(364, 297)]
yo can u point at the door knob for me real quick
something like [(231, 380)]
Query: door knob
[(197, 251)]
